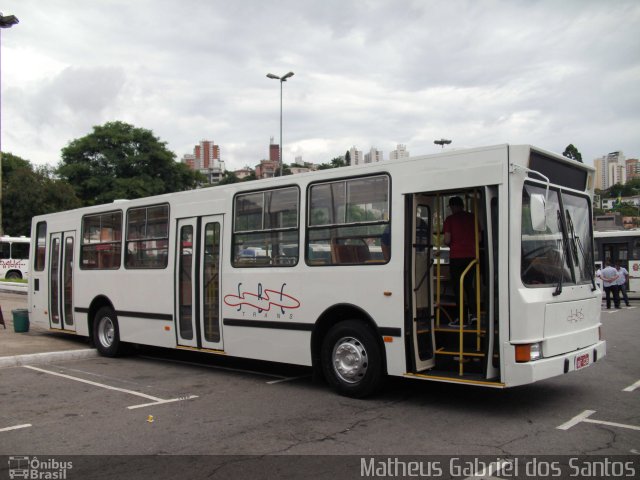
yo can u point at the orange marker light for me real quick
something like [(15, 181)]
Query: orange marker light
[(167, 328), (523, 353), (387, 294), (388, 339)]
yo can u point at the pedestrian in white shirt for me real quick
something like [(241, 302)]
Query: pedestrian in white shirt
[(609, 277)]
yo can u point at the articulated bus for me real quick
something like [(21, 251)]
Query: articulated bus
[(620, 247), (342, 270)]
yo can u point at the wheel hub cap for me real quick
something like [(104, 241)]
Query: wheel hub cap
[(350, 360)]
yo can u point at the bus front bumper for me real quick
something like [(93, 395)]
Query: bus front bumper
[(529, 372)]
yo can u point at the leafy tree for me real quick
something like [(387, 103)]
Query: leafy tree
[(118, 160), (251, 176), (29, 191), (336, 162), (228, 177), (286, 170), (572, 152), (347, 158)]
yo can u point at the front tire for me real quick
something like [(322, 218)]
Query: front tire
[(106, 334), (352, 360)]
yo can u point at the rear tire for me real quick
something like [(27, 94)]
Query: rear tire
[(106, 334), (351, 359), (13, 275)]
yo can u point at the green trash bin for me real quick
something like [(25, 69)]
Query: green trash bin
[(20, 320)]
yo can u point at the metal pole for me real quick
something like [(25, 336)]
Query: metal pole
[(280, 146)]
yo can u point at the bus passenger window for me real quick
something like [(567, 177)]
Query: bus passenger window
[(349, 222), (265, 229)]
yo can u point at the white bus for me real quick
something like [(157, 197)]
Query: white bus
[(336, 270), (14, 257), (620, 247)]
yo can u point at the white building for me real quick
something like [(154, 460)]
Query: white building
[(355, 156), (399, 152), (610, 169), (373, 156)]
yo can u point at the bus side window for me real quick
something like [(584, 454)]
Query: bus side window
[(41, 246)]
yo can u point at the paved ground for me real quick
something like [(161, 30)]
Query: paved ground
[(37, 340)]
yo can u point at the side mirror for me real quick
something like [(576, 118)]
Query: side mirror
[(538, 214)]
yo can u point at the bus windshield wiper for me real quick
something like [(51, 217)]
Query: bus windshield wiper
[(564, 249), (577, 245)]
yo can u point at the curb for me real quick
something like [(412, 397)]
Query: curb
[(47, 357), (19, 288)]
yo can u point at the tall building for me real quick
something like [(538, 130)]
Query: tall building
[(610, 169), (274, 151), (355, 156), (399, 152), (373, 156), (633, 168), (206, 160)]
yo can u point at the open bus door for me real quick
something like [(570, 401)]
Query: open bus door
[(422, 285)]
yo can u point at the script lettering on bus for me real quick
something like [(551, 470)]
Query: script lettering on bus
[(262, 300), (11, 264)]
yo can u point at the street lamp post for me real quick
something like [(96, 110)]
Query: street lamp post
[(282, 79), (5, 22)]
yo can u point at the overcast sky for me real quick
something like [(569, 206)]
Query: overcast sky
[(367, 73)]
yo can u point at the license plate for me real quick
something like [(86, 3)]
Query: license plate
[(582, 361)]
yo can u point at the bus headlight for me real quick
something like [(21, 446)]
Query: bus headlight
[(528, 352)]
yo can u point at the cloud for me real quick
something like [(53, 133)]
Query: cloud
[(369, 73)]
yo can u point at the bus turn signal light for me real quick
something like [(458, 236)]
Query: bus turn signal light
[(528, 352)]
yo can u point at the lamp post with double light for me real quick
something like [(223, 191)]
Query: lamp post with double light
[(7, 21), (282, 79), (442, 142)]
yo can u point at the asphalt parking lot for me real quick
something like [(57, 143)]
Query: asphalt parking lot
[(161, 402)]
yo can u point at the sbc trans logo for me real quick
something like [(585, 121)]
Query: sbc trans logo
[(33, 468)]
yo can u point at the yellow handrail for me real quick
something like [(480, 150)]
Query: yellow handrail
[(461, 317)]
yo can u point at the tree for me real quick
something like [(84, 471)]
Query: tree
[(29, 191), (335, 162), (572, 153), (228, 177), (347, 158), (118, 160)]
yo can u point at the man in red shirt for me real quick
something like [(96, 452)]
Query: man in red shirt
[(460, 236)]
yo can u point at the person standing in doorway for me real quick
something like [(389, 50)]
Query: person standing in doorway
[(609, 277), (623, 273), (460, 235)]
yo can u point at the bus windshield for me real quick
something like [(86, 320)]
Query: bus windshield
[(563, 252)]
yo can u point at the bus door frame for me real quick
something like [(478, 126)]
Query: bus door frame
[(198, 284), (61, 318)]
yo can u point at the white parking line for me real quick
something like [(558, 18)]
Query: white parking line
[(631, 388), (15, 427), (584, 417), (156, 400), (95, 384)]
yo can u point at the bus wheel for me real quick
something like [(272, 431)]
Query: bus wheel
[(13, 275), (351, 359), (106, 335)]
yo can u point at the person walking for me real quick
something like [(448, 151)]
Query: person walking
[(623, 274), (609, 277)]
